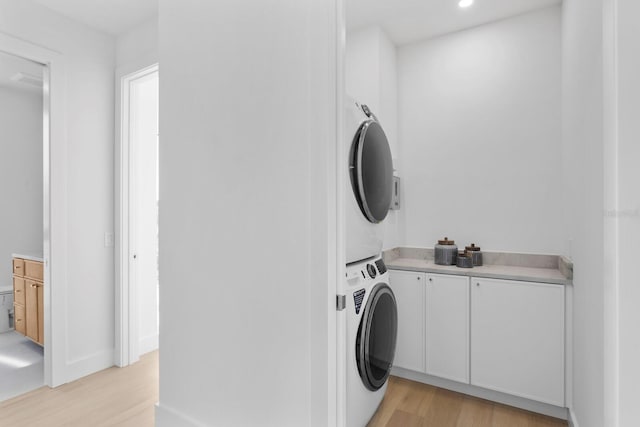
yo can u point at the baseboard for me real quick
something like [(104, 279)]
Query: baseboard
[(494, 396), (148, 344), (169, 417), (88, 365), (572, 420)]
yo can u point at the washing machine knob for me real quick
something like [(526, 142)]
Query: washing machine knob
[(371, 270)]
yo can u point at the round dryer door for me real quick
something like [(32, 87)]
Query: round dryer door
[(372, 171), (376, 340)]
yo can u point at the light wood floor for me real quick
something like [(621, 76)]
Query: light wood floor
[(113, 397), (411, 404), (126, 397)]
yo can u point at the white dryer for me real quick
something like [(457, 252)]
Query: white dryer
[(370, 182), (372, 320)]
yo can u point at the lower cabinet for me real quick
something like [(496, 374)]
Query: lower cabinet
[(501, 335), (447, 327), (409, 290), (433, 323), (28, 298), (517, 338)]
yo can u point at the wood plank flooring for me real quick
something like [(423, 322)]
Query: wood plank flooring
[(412, 404), (126, 397), (113, 397)]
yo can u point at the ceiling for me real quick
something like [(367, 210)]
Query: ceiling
[(407, 21), (11, 65), (114, 17)]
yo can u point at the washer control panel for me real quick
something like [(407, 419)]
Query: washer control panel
[(372, 271)]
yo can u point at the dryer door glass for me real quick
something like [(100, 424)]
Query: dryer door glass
[(372, 171), (376, 341)]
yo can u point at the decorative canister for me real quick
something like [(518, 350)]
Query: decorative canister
[(476, 255), (446, 252), (464, 260)]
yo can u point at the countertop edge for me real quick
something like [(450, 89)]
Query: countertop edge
[(38, 258), (471, 273)]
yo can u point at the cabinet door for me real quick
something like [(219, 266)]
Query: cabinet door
[(18, 290), (31, 308), (408, 288), (34, 270), (40, 289), (517, 338), (447, 327)]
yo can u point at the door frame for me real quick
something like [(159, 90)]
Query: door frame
[(55, 232), (126, 305)]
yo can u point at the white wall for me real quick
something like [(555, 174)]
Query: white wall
[(582, 158), (20, 176), (138, 47), (144, 138), (248, 213), (89, 59), (480, 127), (371, 79)]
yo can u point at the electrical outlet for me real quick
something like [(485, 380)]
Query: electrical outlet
[(108, 239)]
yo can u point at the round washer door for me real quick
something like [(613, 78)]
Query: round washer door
[(376, 339), (371, 169)]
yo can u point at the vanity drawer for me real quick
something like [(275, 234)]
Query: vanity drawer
[(18, 290), (18, 266), (33, 270), (19, 319)]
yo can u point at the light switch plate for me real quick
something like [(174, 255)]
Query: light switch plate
[(108, 239)]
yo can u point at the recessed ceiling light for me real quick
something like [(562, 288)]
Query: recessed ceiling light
[(465, 3)]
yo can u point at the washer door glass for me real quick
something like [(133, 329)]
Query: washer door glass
[(376, 340), (372, 171)]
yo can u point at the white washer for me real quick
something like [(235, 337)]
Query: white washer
[(369, 182), (372, 319)]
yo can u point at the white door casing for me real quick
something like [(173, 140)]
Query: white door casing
[(127, 343)]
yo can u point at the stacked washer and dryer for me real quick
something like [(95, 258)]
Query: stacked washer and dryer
[(370, 304)]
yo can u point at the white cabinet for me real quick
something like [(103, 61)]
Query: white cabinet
[(517, 338), (408, 288), (447, 327)]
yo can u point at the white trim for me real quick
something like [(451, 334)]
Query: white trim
[(611, 225), (169, 417), (127, 345), (148, 344), (87, 365), (54, 203), (571, 419), (341, 162)]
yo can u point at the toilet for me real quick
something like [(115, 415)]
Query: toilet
[(6, 307)]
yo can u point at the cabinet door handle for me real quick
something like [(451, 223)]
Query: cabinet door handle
[(418, 277), (430, 279), (477, 283)]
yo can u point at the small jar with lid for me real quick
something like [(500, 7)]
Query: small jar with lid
[(446, 252), (476, 254), (464, 260)]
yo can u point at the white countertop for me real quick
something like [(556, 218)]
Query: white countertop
[(507, 272), (30, 257)]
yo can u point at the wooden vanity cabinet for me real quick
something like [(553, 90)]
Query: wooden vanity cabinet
[(28, 301)]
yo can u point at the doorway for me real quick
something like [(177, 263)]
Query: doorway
[(22, 108), (137, 302)]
